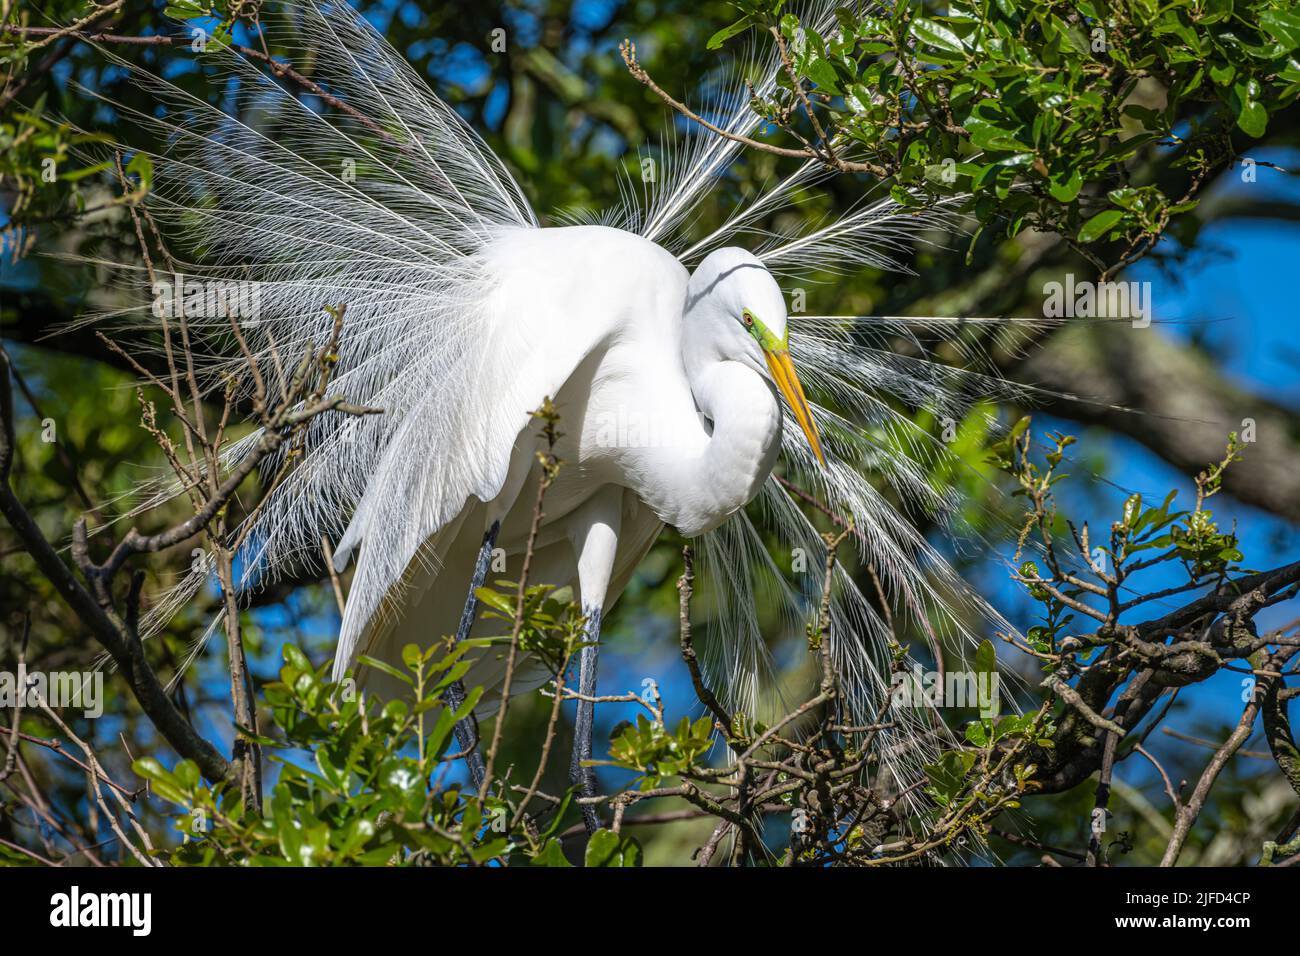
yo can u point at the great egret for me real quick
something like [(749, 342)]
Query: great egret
[(463, 314), (697, 359)]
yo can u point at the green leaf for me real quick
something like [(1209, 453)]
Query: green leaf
[(162, 781), (1283, 26), (1222, 73), (902, 196), (1252, 117), (986, 658), (727, 32), (78, 174), (387, 668), (150, 768), (142, 166), (187, 772), (1065, 188), (937, 35), (948, 776), (496, 600), (184, 9), (607, 848), (551, 854), (1099, 224), (987, 136), (823, 74), (295, 657)]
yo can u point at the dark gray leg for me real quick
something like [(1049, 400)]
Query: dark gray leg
[(585, 777), (467, 729)]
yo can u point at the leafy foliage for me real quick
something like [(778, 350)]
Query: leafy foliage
[(369, 791), (1037, 110), (656, 752)]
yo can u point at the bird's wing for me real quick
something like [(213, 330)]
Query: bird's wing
[(386, 203), (552, 299)]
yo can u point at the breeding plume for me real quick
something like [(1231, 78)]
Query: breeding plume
[(677, 372)]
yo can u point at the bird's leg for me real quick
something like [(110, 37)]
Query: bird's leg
[(585, 777), (467, 729), (594, 533)]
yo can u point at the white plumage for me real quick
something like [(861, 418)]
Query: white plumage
[(463, 314)]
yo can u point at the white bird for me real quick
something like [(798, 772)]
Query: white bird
[(695, 363), (463, 314)]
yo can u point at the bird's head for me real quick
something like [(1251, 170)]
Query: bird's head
[(735, 312)]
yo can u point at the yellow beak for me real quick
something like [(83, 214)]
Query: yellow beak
[(778, 362)]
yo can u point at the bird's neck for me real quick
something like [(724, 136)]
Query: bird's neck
[(743, 446)]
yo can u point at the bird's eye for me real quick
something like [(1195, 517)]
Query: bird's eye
[(748, 319)]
